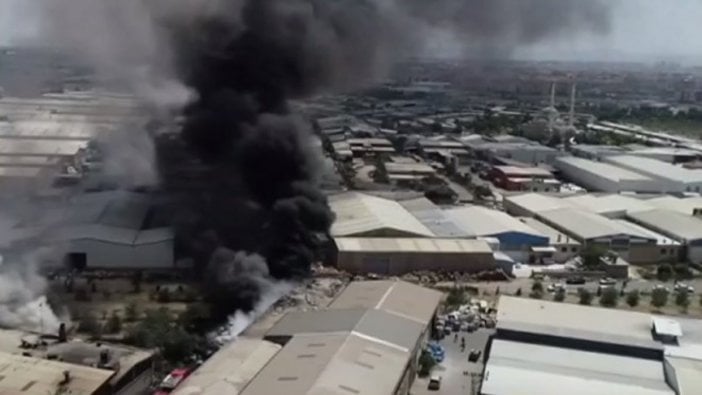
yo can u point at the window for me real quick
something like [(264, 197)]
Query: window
[(664, 251), (564, 249), (574, 249)]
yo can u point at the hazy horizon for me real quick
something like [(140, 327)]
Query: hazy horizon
[(642, 31)]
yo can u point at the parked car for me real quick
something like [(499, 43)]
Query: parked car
[(435, 382), (576, 280), (608, 281), (474, 355), (555, 287), (683, 286), (174, 378)]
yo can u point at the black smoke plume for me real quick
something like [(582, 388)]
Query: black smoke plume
[(241, 169)]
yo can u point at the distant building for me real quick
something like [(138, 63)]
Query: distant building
[(534, 179), (37, 365), (606, 177), (389, 256), (669, 177)]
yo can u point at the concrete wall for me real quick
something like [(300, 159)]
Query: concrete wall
[(401, 263), (101, 254)]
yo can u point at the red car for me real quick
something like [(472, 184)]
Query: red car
[(171, 381)]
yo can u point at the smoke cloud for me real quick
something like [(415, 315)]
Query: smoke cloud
[(233, 65)]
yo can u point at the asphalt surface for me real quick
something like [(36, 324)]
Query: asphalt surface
[(458, 376)]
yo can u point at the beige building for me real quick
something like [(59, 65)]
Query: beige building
[(396, 256)]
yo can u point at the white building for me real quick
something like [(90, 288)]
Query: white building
[(604, 177), (682, 228), (670, 178)]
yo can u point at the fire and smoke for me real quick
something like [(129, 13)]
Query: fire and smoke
[(233, 65)]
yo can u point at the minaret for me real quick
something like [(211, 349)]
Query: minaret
[(571, 119)]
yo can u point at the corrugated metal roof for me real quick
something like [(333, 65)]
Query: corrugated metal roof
[(410, 245), (687, 374), (434, 218), (358, 213), (482, 221), (230, 369), (396, 297), (684, 206), (576, 321), (33, 376), (536, 202), (681, 227), (586, 225), (555, 236), (333, 364), (601, 169), (608, 204), (526, 369), (660, 238), (657, 168)]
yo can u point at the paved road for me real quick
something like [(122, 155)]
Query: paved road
[(454, 381)]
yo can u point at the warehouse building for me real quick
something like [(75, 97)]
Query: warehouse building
[(361, 215), (529, 153), (554, 348), (516, 239), (397, 256), (531, 204), (688, 206), (605, 177), (533, 179), (667, 154), (610, 206), (563, 246), (591, 229), (434, 218), (103, 230), (367, 342), (669, 178), (682, 228), (230, 369), (597, 152)]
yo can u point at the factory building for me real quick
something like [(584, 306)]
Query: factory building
[(366, 342), (668, 154), (610, 206), (688, 206), (534, 179), (37, 365), (531, 204), (604, 177), (669, 177), (682, 228), (591, 229), (563, 247), (361, 215), (434, 218), (553, 348), (516, 239), (102, 230), (525, 152), (390, 256), (597, 152)]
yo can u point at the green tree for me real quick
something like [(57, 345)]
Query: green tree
[(114, 324), (585, 296), (682, 299), (633, 297), (456, 297), (659, 297), (380, 174), (664, 272), (592, 255), (560, 295), (682, 271), (609, 298), (519, 293), (131, 312), (89, 324), (536, 294), (426, 363), (537, 286)]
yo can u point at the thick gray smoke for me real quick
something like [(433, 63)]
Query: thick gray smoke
[(232, 66)]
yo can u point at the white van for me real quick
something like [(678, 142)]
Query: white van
[(434, 382)]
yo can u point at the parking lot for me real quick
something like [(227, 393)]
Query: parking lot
[(458, 375)]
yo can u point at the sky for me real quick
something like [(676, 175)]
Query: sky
[(642, 30)]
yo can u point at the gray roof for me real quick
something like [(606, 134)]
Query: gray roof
[(681, 227), (536, 202), (482, 221), (434, 218), (585, 225), (576, 321), (604, 170), (525, 369), (657, 168)]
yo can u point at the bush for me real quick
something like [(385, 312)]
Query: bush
[(114, 324), (585, 296), (609, 298), (538, 286), (664, 272), (659, 297), (426, 363), (536, 294), (682, 299), (131, 312), (591, 256), (682, 271), (560, 295), (632, 298), (519, 293), (164, 296), (90, 325)]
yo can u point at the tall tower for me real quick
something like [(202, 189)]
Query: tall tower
[(571, 118)]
